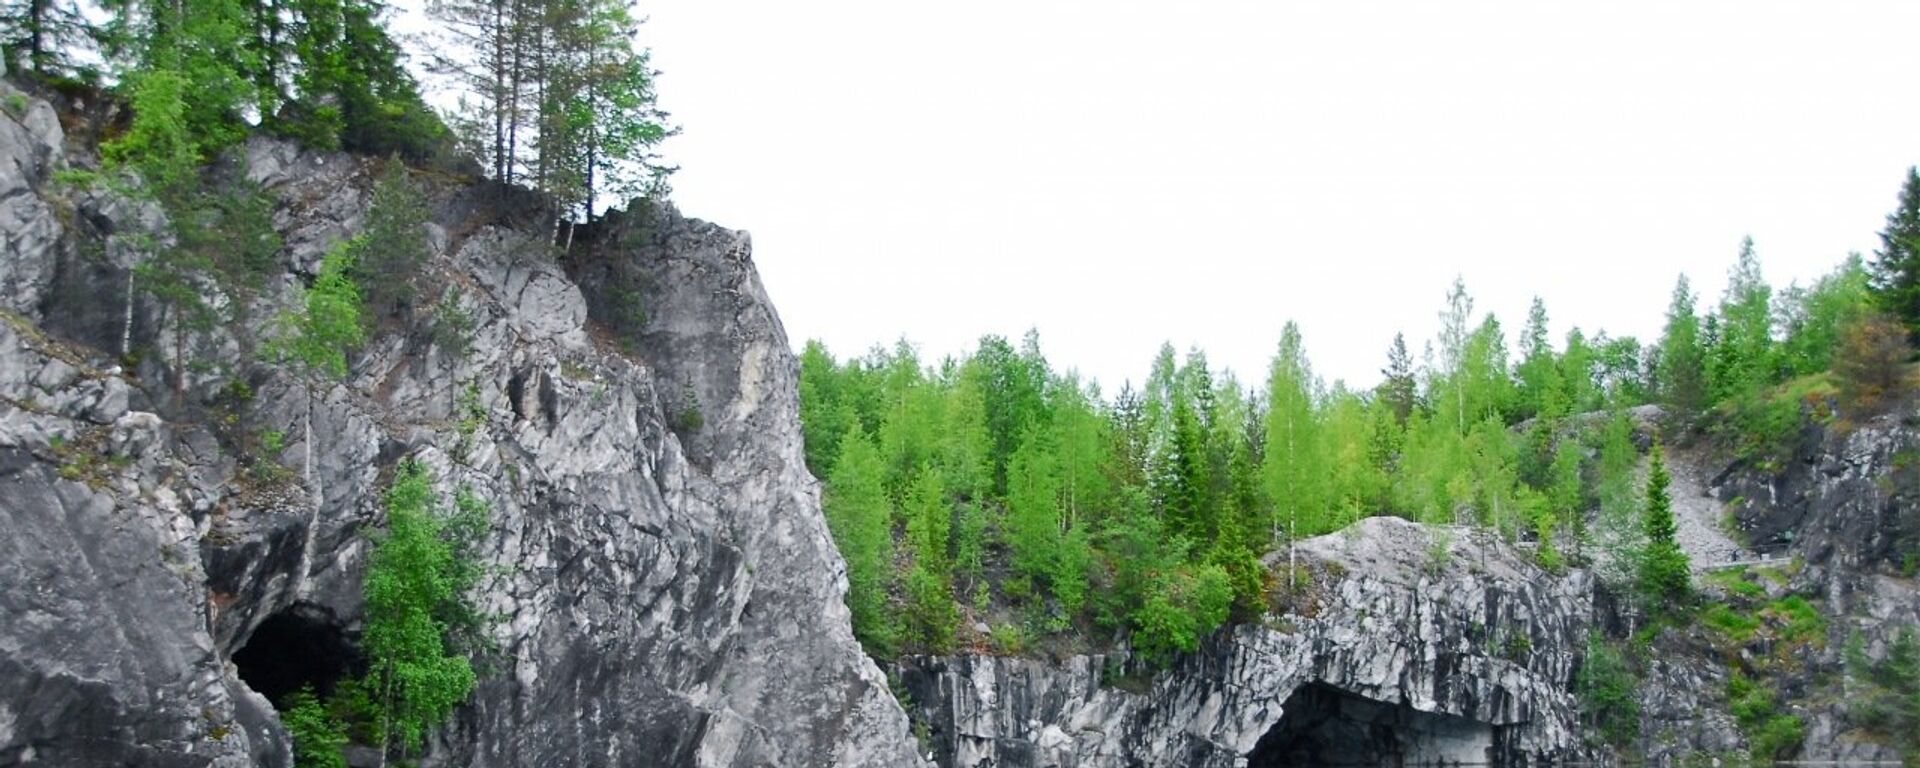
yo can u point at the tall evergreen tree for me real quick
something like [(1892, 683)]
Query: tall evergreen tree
[(42, 36), (1681, 375), (1541, 392), (1665, 577), (1896, 266), (1397, 386)]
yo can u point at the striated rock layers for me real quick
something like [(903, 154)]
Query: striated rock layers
[(1414, 643), (664, 588)]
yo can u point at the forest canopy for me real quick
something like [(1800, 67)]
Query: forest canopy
[(994, 501)]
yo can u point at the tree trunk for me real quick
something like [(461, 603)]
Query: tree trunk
[(126, 325)]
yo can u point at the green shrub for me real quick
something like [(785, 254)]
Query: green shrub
[(418, 577), (1608, 688), (1735, 625), (1771, 735), (318, 735)]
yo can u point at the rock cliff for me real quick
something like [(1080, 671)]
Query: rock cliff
[(1411, 643), (663, 586)]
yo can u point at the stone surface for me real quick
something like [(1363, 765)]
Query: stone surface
[(1469, 654), (666, 591)]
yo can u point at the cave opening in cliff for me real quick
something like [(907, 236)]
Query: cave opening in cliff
[(1321, 725), (298, 647)]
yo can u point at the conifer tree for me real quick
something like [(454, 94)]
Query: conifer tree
[(1541, 393), (1398, 387), (1681, 375), (1896, 266), (392, 247), (931, 616), (1665, 577), (42, 36)]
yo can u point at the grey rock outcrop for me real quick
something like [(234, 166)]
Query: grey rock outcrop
[(666, 591), (1422, 643)]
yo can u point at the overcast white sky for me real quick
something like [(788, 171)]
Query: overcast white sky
[(1121, 173)]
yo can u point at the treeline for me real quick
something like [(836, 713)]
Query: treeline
[(994, 489), (550, 93)]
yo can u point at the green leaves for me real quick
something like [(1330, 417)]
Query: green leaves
[(860, 518), (317, 336), (317, 735), (417, 580)]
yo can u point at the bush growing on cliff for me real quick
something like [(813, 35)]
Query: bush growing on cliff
[(1886, 693), (317, 735), (1607, 685), (418, 577)]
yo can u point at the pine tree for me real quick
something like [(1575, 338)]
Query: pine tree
[(1869, 366), (1681, 374), (1896, 266), (1397, 387), (42, 36), (1541, 392), (1665, 576), (392, 247)]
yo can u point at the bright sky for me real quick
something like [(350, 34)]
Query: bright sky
[(1121, 173)]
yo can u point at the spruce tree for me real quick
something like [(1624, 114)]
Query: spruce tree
[(1665, 576), (1681, 374), (1896, 266), (41, 36), (1397, 386)]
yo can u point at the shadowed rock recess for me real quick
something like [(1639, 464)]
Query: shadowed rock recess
[(665, 591)]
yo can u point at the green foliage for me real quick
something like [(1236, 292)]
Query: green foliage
[(1869, 366), (1771, 735), (1607, 685), (860, 517), (316, 337), (1664, 575), (318, 735), (931, 613), (418, 577), (392, 246), (1736, 624), (1896, 266), (157, 144), (1886, 693)]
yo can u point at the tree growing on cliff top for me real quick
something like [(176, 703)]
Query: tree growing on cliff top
[(1896, 266)]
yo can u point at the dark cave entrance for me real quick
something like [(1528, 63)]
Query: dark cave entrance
[(1324, 726), (300, 646)]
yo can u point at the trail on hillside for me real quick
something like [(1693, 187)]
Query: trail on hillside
[(1697, 513)]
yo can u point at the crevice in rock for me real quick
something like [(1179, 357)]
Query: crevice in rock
[(302, 645), (1324, 726)]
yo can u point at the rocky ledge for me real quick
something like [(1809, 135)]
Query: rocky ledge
[(1413, 643), (664, 587)]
